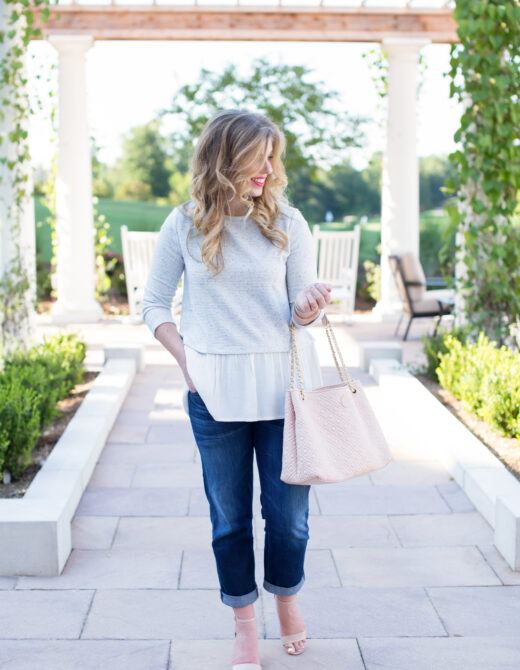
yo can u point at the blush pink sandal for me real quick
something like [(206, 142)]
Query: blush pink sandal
[(295, 637), (245, 666)]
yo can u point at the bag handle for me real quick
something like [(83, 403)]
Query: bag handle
[(296, 361)]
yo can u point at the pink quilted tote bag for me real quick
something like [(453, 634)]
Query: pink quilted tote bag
[(331, 433)]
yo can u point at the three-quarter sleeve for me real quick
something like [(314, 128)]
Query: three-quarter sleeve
[(166, 269), (301, 263)]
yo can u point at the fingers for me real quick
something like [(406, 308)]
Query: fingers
[(314, 296), (322, 288), (189, 382)]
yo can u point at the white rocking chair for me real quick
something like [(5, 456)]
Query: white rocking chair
[(337, 254), (138, 249)]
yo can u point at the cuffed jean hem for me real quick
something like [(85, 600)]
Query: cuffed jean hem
[(240, 601), (283, 590)]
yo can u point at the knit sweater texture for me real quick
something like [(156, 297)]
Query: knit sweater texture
[(248, 306)]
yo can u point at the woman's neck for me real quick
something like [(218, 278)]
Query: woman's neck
[(236, 208)]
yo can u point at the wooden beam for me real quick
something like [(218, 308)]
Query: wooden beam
[(235, 23)]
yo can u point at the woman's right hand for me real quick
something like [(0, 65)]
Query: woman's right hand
[(186, 374), (171, 339), (311, 298)]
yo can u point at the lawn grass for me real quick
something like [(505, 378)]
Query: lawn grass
[(148, 216), (136, 215)]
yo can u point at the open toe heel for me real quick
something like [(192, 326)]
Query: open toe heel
[(295, 637)]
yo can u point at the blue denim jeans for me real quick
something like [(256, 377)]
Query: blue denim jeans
[(226, 452)]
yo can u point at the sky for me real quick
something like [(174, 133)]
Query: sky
[(128, 82)]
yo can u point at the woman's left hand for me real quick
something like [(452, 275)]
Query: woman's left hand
[(311, 298)]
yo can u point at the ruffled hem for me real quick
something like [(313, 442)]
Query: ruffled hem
[(250, 387)]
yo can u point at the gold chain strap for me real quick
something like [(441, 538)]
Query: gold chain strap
[(295, 359), (330, 333)]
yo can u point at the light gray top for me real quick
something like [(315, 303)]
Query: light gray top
[(248, 306)]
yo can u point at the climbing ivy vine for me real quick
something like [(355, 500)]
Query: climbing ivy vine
[(15, 109), (377, 61), (485, 76)]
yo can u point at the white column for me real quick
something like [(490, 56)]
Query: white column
[(23, 328), (400, 189), (74, 210)]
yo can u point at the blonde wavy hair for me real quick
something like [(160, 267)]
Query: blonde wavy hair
[(231, 146)]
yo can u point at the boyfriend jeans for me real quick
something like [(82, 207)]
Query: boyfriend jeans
[(226, 452)]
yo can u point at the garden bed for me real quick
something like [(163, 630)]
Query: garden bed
[(49, 437), (506, 449), (113, 306), (36, 527)]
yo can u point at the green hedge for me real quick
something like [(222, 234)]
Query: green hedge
[(486, 379), (435, 345), (31, 384)]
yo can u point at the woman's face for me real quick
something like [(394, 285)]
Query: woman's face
[(261, 173)]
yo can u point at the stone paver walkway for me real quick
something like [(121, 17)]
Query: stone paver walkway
[(401, 571)]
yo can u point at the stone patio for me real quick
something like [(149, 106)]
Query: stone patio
[(401, 571)]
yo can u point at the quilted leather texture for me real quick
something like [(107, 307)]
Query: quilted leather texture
[(331, 435)]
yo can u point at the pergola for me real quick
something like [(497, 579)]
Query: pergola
[(403, 28)]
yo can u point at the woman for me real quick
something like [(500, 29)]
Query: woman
[(249, 270)]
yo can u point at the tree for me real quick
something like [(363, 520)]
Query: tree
[(318, 131), (145, 161), (353, 192), (101, 186), (311, 196), (433, 172)]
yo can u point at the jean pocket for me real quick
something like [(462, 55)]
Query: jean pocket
[(196, 405), (196, 397)]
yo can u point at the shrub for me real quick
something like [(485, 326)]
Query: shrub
[(501, 391), (65, 353), (43, 278), (372, 285), (134, 190), (486, 379), (4, 444), (20, 421), (31, 384), (115, 270), (434, 345), (35, 374), (61, 356)]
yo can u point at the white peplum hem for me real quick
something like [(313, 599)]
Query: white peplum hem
[(250, 387)]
